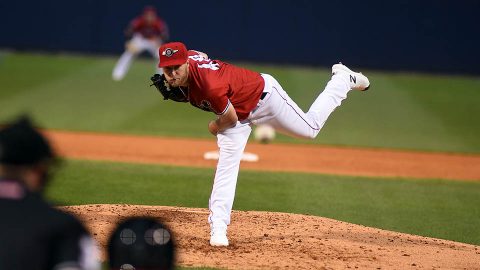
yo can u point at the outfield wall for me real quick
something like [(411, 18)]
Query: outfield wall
[(427, 35)]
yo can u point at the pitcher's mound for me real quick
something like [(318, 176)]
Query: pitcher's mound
[(265, 240)]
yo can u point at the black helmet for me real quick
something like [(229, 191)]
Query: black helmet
[(21, 144), (141, 243)]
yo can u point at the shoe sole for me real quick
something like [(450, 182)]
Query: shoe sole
[(218, 245)]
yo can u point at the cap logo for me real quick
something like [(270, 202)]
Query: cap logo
[(169, 52)]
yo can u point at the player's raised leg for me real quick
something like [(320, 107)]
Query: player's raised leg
[(285, 115), (231, 145), (343, 80)]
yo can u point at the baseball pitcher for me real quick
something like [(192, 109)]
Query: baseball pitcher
[(239, 98)]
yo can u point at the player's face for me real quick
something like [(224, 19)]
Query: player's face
[(149, 16), (176, 75)]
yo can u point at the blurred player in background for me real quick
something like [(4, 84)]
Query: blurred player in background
[(34, 235), (146, 32)]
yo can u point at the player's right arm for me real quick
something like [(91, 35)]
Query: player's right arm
[(215, 99), (224, 121)]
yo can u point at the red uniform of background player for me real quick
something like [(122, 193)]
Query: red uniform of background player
[(145, 32), (149, 25)]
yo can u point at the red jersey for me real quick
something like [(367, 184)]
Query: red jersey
[(156, 29), (214, 85)]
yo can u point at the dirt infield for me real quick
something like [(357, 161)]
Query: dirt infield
[(274, 157), (264, 240)]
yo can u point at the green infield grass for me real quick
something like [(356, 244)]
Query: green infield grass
[(402, 110), (409, 111), (435, 208)]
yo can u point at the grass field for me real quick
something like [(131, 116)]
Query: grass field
[(436, 208), (405, 111), (423, 112)]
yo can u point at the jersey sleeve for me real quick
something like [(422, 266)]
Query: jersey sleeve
[(219, 100), (216, 94), (210, 89)]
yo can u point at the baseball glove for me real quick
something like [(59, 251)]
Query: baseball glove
[(168, 92)]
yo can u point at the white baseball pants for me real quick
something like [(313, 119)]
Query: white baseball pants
[(281, 112)]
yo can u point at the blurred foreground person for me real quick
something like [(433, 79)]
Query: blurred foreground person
[(34, 235), (141, 243)]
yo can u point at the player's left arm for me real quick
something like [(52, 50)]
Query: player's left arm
[(164, 31), (224, 121), (131, 28)]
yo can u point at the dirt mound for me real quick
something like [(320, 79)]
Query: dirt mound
[(265, 240)]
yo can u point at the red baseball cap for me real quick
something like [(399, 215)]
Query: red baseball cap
[(172, 54)]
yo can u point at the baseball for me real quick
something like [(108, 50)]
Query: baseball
[(264, 133)]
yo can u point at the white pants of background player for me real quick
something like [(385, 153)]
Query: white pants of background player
[(134, 47), (278, 110)]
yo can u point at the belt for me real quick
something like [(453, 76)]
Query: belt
[(264, 94)]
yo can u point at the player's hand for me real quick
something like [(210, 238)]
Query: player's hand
[(223, 122), (213, 128)]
